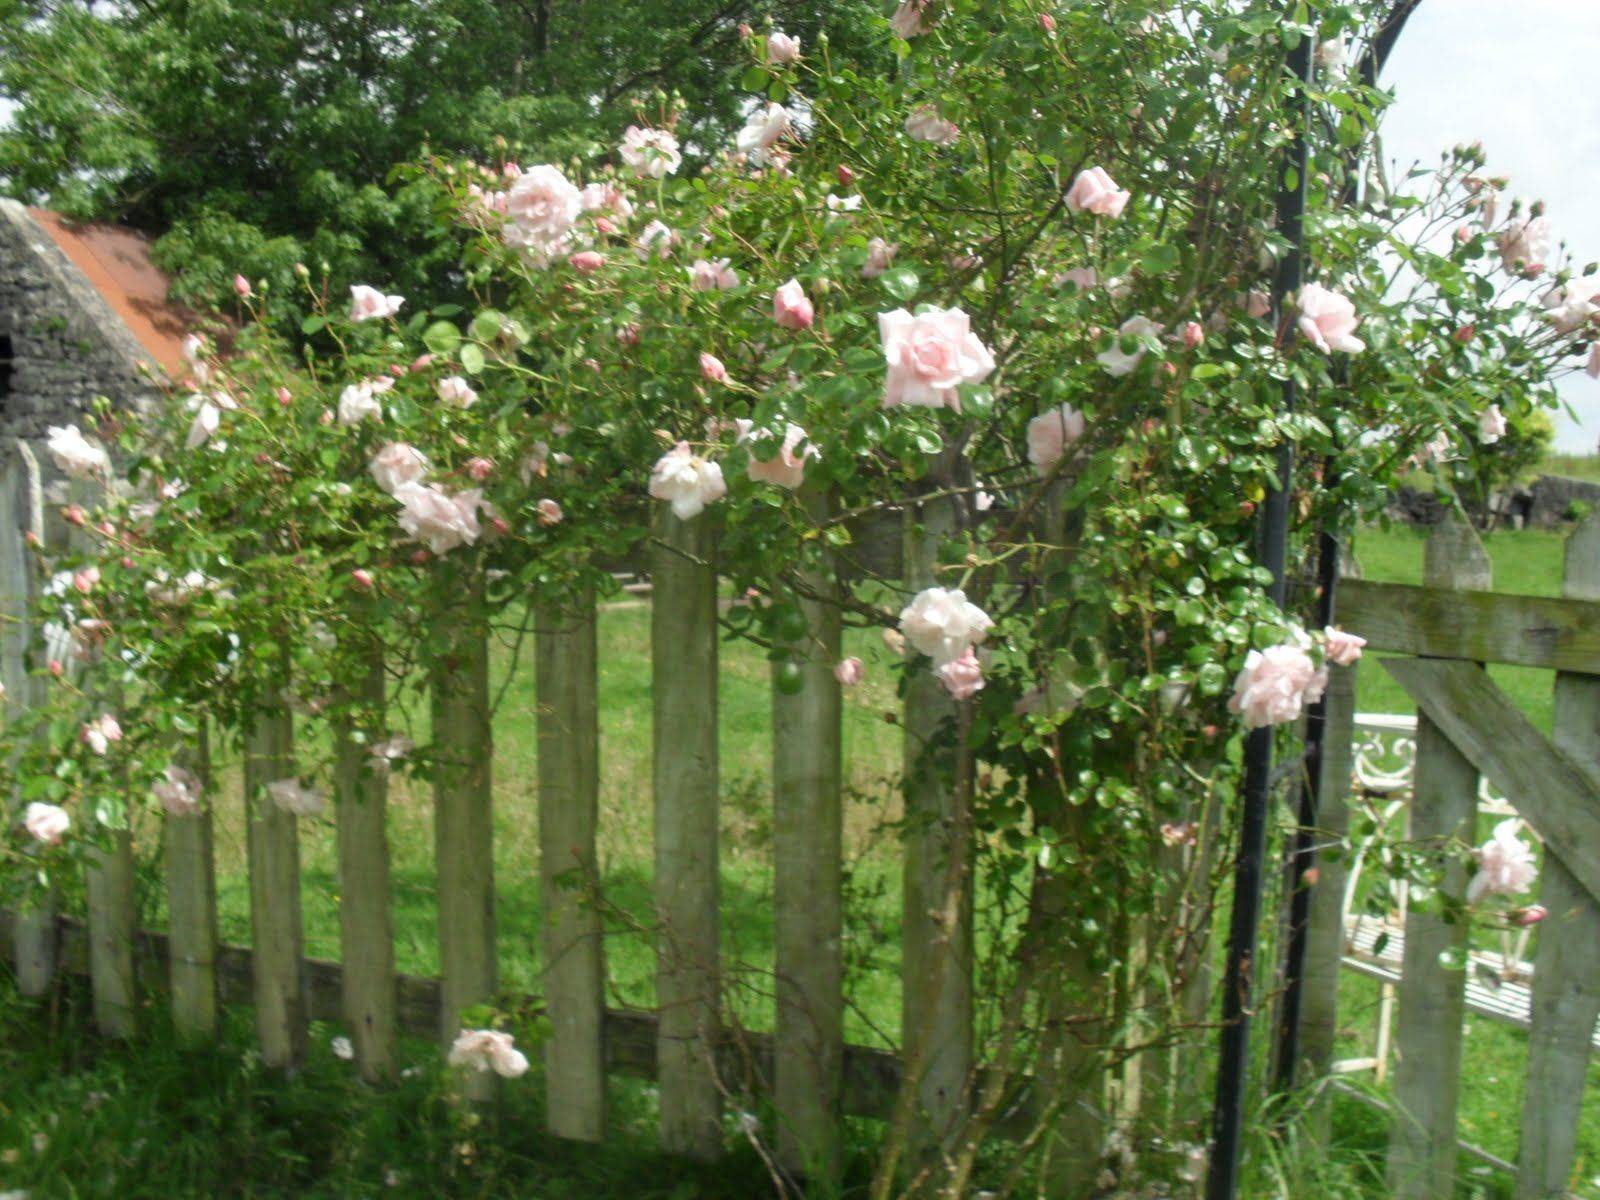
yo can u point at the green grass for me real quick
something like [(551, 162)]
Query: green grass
[(1574, 466)]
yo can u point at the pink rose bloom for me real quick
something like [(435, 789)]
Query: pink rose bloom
[(1491, 425), (549, 512), (1192, 334), (609, 198), (712, 370), (943, 624), (46, 823), (1532, 915), (488, 1050), (930, 355), (926, 124), (178, 792), (880, 254), (1342, 648), (1506, 866), (763, 129), (397, 464), (1572, 305), (655, 238), (908, 21), (649, 153), (437, 518), (709, 275), (368, 303), (291, 797), (782, 49), (99, 733), (1274, 684), (241, 287), (686, 481), (84, 581), (848, 671), (1094, 191), (1328, 320), (587, 262), (787, 467), (1049, 435), (543, 205), (480, 468), (962, 677), (1525, 244), (454, 390), (791, 308)]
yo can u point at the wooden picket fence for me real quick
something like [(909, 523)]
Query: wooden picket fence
[(814, 1077), (1467, 730)]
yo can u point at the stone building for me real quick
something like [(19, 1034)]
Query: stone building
[(83, 314)]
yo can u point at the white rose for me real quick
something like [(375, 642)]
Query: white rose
[(943, 624), (687, 481)]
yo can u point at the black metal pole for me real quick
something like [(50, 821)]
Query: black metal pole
[(1303, 854), (1233, 1066)]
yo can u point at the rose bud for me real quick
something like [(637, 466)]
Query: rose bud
[(419, 557), (480, 468), (241, 287), (498, 524), (73, 514), (285, 397), (1465, 333), (1193, 334), (712, 369), (1047, 22), (363, 577), (605, 225), (422, 362), (56, 668), (846, 176), (1531, 915), (587, 262)]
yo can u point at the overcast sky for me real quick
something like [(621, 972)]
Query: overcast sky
[(1519, 75)]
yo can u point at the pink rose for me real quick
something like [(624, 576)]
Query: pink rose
[(686, 481), (628, 335), (1572, 305), (1525, 244), (1192, 334), (791, 308), (1274, 684), (712, 370), (908, 20), (880, 254), (1328, 320), (1081, 278), (657, 239), (85, 580), (542, 205), (480, 468), (1506, 864), (1049, 435), (782, 49), (178, 792), (1094, 191), (363, 578), (368, 303), (927, 124), (456, 391), (1047, 23), (787, 467), (1341, 648), (649, 153), (962, 677), (1524, 917), (46, 823), (396, 464), (285, 397), (709, 275), (587, 262), (99, 733), (930, 355), (848, 671), (549, 512), (1257, 304), (436, 517)]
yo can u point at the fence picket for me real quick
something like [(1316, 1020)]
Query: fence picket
[(1566, 977), (807, 778), (569, 810), (192, 909), (683, 636), (366, 926), (21, 514), (936, 957), (1432, 992), (463, 828), (275, 925)]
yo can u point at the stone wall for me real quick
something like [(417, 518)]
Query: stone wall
[(67, 347)]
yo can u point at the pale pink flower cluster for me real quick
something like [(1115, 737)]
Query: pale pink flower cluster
[(1340, 647), (1094, 191), (928, 124), (930, 355), (962, 677), (178, 791), (943, 624), (1118, 361), (1525, 244), (290, 796), (101, 732), (649, 153), (1328, 320), (712, 274), (369, 304), (75, 454), (439, 519), (791, 307), (1506, 864), (880, 256), (763, 130), (397, 464), (608, 199), (541, 207), (1049, 435), (1276, 683), (686, 481), (787, 467), (488, 1050), (46, 823)]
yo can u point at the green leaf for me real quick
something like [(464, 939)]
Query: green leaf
[(754, 79), (901, 283), (442, 337), (313, 323), (472, 358)]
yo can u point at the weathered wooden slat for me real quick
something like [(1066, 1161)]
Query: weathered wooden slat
[(1432, 991), (1529, 631), (366, 926), (1319, 1003), (463, 827), (192, 908), (113, 919), (808, 906), (936, 935), (22, 514), (1566, 977), (276, 931), (683, 640), (569, 880)]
